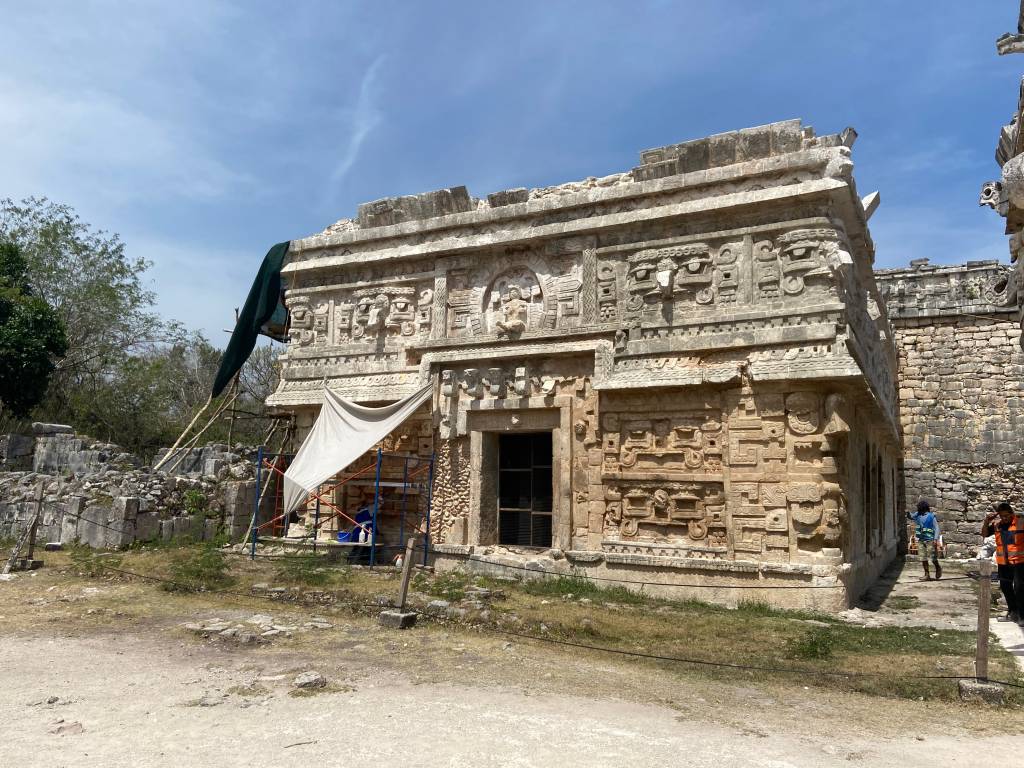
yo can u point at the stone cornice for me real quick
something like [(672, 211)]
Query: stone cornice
[(523, 227)]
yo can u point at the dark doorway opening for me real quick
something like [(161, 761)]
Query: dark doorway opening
[(525, 489)]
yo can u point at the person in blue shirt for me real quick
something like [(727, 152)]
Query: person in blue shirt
[(927, 533)]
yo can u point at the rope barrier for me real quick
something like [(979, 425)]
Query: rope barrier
[(536, 571), (745, 667), (539, 572), (606, 649)]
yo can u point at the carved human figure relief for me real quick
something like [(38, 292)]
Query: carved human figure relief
[(514, 314), (516, 302), (377, 314)]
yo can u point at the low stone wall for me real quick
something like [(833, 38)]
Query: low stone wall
[(97, 494)]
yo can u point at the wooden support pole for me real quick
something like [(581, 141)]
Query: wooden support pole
[(403, 590), (35, 523), (984, 605)]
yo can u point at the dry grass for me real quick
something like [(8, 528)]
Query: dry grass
[(568, 610)]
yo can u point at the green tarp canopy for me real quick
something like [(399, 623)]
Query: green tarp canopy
[(263, 302)]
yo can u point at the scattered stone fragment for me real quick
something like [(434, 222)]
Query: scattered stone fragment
[(310, 680), (67, 729)]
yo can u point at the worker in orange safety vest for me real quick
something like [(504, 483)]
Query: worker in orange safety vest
[(1008, 529)]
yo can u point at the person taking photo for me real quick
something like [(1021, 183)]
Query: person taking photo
[(1008, 530)]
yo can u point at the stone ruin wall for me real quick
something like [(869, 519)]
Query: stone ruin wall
[(961, 391), (725, 282), (95, 493)]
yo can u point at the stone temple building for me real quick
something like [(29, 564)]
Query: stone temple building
[(683, 373)]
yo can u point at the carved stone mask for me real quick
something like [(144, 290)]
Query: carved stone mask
[(803, 413)]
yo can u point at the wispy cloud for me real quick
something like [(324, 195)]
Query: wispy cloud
[(364, 117), (96, 146), (204, 131), (941, 155)]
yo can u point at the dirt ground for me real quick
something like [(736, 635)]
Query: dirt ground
[(101, 673)]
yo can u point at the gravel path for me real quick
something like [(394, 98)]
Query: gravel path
[(143, 700)]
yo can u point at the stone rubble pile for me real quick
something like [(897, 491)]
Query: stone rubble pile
[(96, 493), (259, 628)]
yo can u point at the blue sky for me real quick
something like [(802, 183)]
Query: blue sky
[(203, 132)]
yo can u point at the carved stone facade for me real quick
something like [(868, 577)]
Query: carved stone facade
[(961, 390), (701, 337), (1006, 195)]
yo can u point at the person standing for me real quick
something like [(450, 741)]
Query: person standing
[(926, 531), (1008, 529)]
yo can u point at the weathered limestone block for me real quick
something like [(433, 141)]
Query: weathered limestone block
[(239, 499), (16, 452), (147, 527), (183, 527), (42, 429)]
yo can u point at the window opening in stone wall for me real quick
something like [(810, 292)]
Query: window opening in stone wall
[(525, 489)]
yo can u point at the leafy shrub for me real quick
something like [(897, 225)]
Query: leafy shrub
[(198, 570), (88, 562), (195, 502)]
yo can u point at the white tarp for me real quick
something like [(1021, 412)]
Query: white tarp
[(343, 432)]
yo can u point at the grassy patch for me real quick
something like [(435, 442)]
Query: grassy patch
[(450, 585), (753, 634), (879, 660), (579, 586), (903, 602), (198, 569), (309, 570), (817, 643), (306, 693)]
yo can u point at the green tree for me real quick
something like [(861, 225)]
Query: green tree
[(32, 337), (127, 376), (96, 290)]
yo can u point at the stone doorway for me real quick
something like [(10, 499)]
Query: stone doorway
[(525, 489)]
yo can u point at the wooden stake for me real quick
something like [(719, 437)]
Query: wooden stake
[(181, 437), (234, 390), (35, 523), (28, 533), (984, 604), (403, 590)]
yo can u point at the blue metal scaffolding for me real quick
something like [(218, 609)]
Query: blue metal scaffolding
[(401, 500)]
